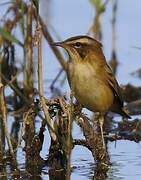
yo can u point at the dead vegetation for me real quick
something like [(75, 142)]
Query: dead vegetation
[(26, 103)]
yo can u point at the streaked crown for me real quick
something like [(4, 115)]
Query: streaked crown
[(79, 47)]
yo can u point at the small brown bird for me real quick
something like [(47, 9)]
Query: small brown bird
[(91, 79)]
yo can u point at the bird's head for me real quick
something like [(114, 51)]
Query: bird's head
[(80, 47)]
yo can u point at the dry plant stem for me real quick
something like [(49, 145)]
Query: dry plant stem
[(93, 140), (40, 85), (1, 154), (14, 88), (10, 24), (114, 61), (48, 119), (3, 111), (49, 39), (60, 151), (55, 79), (29, 51), (4, 118), (69, 140), (24, 98), (29, 42), (81, 142), (29, 133), (40, 76), (113, 26), (97, 27)]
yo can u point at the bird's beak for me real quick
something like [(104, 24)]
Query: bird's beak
[(61, 44)]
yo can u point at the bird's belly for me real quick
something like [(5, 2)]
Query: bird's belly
[(94, 97), (91, 92)]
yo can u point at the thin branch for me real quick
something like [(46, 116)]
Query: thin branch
[(10, 83), (49, 39), (4, 117), (81, 142), (40, 83)]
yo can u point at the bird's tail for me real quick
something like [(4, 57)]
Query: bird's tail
[(122, 112), (125, 114)]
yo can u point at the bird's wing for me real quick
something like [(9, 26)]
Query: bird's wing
[(112, 82)]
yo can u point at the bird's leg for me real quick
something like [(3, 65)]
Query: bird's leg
[(101, 122)]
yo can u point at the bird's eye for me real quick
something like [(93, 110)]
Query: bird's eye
[(77, 45)]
